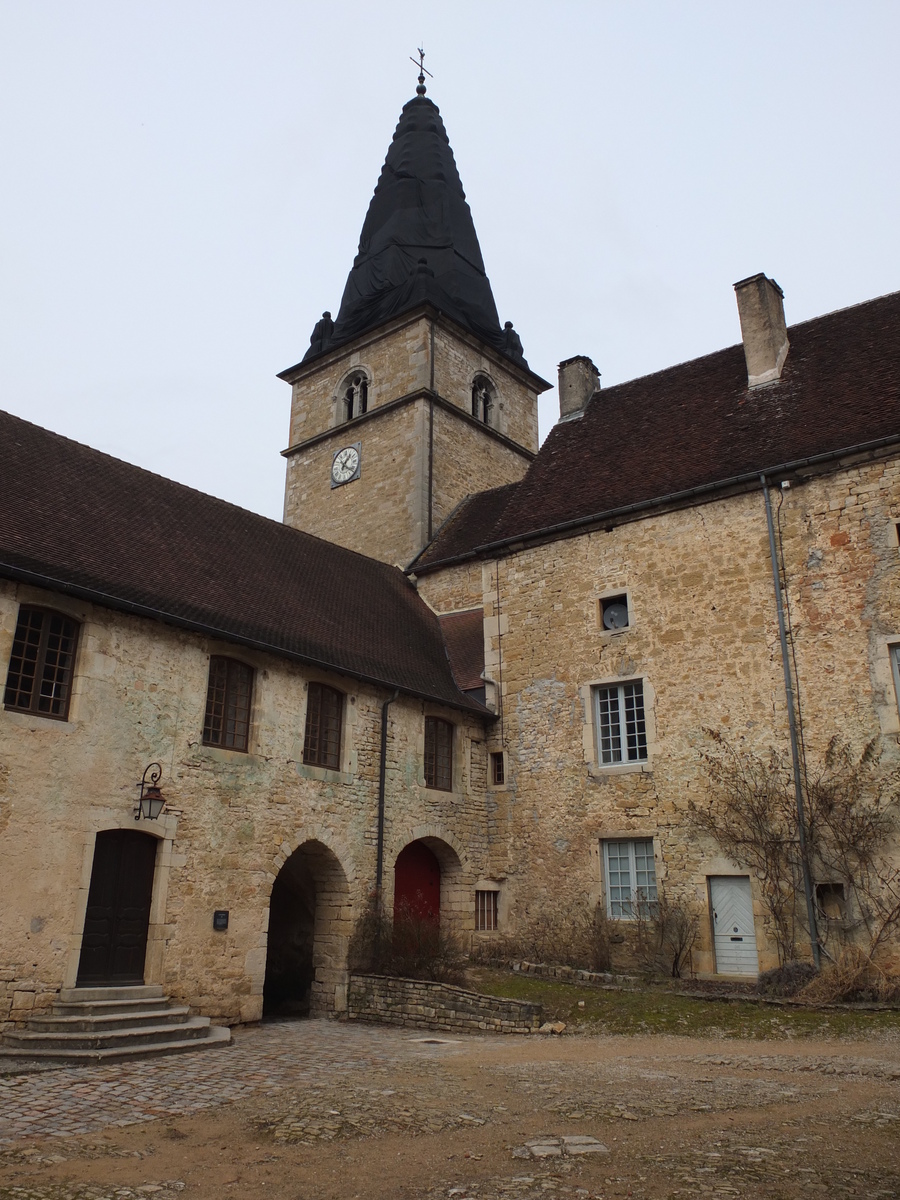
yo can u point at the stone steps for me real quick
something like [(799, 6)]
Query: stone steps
[(109, 1024)]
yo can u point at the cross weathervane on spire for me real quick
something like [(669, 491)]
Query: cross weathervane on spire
[(420, 90)]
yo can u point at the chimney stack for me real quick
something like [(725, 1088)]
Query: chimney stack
[(761, 309), (578, 380)]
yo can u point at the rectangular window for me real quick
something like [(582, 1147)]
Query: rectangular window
[(498, 771), (620, 724), (324, 714), (486, 911), (895, 667), (228, 699), (630, 874), (39, 679), (438, 754)]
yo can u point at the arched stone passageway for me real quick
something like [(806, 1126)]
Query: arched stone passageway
[(309, 929)]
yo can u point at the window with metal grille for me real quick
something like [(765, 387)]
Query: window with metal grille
[(228, 700), (322, 740), (438, 754), (498, 768), (630, 875), (39, 679), (486, 911), (620, 722)]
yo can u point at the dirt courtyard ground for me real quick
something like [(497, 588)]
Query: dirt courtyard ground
[(318, 1110)]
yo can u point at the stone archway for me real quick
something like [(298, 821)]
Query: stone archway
[(428, 876), (306, 948)]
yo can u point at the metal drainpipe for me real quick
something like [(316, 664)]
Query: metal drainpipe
[(792, 727), (382, 767)]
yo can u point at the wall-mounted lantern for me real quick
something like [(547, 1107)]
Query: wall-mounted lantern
[(151, 801)]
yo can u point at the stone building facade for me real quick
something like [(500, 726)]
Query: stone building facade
[(463, 668)]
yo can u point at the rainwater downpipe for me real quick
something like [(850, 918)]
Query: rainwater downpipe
[(382, 770), (792, 727)]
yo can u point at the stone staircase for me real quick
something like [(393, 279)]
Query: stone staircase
[(108, 1024)]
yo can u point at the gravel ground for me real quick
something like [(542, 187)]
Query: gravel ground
[(321, 1111)]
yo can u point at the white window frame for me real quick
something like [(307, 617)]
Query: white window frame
[(487, 910), (894, 650), (635, 854), (612, 701)]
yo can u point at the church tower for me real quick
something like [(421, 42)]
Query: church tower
[(414, 396)]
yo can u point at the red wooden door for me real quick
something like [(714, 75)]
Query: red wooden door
[(417, 884), (117, 921)]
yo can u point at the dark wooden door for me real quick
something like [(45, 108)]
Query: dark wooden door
[(118, 909), (417, 884)]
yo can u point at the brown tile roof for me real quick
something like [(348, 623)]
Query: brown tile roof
[(698, 424), (81, 521), (470, 524), (464, 638)]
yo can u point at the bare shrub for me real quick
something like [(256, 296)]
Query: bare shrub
[(409, 946), (556, 934), (786, 980), (851, 808), (665, 932), (854, 976)]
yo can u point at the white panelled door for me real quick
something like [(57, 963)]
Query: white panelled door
[(735, 937)]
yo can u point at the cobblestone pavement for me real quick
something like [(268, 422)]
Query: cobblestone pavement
[(264, 1060)]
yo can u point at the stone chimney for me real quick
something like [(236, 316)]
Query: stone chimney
[(761, 309), (578, 380)]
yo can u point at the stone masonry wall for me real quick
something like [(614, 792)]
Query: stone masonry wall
[(231, 821), (422, 1004), (384, 512), (703, 639)]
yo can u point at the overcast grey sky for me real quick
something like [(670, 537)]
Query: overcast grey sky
[(184, 184)]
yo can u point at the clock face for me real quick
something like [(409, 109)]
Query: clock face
[(345, 465)]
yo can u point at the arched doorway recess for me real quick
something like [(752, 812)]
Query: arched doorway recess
[(117, 920), (417, 884), (306, 951)]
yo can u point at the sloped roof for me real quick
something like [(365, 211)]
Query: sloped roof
[(698, 424), (470, 524), (464, 638), (85, 522), (418, 243)]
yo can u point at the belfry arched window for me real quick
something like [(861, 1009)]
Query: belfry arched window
[(482, 399), (356, 396)]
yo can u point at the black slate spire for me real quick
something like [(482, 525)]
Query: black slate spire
[(418, 243)]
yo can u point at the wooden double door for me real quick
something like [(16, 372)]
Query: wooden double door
[(117, 921)]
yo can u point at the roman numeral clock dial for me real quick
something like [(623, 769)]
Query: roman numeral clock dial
[(345, 465)]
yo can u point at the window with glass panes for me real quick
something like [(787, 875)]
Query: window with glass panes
[(324, 714), (438, 754), (630, 875), (228, 698), (621, 725), (39, 679)]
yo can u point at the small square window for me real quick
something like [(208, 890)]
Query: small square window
[(831, 901), (630, 876), (614, 613), (498, 769), (486, 911)]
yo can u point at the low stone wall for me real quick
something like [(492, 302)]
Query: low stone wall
[(420, 1004), (573, 974)]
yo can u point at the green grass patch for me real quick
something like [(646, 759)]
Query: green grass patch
[(656, 1010)]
